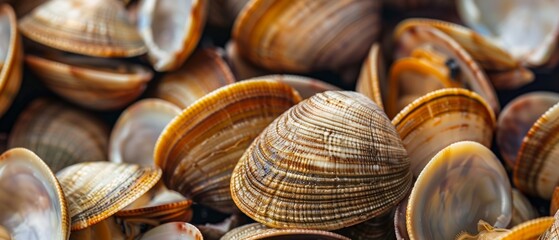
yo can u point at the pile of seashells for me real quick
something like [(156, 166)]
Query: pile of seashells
[(206, 119)]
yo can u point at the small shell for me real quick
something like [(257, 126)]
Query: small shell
[(100, 84), (204, 72), (256, 231), (94, 28), (199, 149), (174, 230), (94, 189), (60, 134), (372, 82), (441, 118), (171, 30), (464, 176), (11, 58), (312, 167), (306, 87), (522, 209)]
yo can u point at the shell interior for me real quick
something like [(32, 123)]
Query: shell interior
[(173, 230)]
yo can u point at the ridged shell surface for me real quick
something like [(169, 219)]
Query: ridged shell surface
[(256, 231)]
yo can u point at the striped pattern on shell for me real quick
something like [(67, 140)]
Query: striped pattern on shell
[(257, 231), (332, 161)]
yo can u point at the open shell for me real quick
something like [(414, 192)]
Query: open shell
[(199, 149), (372, 82), (174, 230), (94, 28), (11, 58), (257, 231), (313, 166), (464, 176), (32, 205)]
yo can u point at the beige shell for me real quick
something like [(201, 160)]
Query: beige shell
[(441, 118), (199, 149), (306, 87), (94, 28), (306, 35), (135, 132), (204, 72), (106, 229), (32, 205), (101, 84), (332, 161), (372, 82), (241, 67), (462, 184), (94, 190), (257, 231), (11, 58), (522, 209), (60, 134), (171, 30), (174, 230)]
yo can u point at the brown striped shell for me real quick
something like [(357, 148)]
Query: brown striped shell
[(94, 190), (174, 230), (306, 35), (94, 28), (11, 58), (257, 231), (332, 161), (199, 149), (371, 81), (60, 134)]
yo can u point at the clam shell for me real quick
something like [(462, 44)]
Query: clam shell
[(441, 118), (306, 87), (10, 58), (381, 227), (171, 30), (517, 118), (256, 231), (306, 35), (204, 72), (371, 81), (522, 209), (106, 229), (533, 229), (136, 131), (94, 190), (199, 149), (463, 176), (94, 28), (100, 84), (60, 134), (332, 161), (32, 205), (174, 230)]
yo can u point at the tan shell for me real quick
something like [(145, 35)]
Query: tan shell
[(106, 229), (463, 176), (32, 205), (531, 230), (314, 165), (306, 87), (306, 35), (204, 72), (241, 67), (60, 134), (10, 58), (174, 230), (199, 149), (257, 231), (372, 82), (100, 84), (95, 28), (135, 132), (94, 189), (522, 209), (381, 227), (171, 30), (441, 118)]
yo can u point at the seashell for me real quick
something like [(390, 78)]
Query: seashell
[(313, 167), (464, 175), (11, 56), (171, 30), (372, 80), (106, 229), (522, 209), (60, 134), (306, 87), (511, 25), (241, 67), (470, 76), (174, 230), (295, 37), (486, 232), (94, 189), (32, 205), (199, 149), (441, 118), (204, 72), (554, 201), (529, 230), (517, 118), (222, 13), (400, 228), (94, 28), (381, 227), (100, 84), (136, 131), (256, 231)]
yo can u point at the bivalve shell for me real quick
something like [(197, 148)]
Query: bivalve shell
[(174, 230), (371, 81), (257, 231), (11, 58)]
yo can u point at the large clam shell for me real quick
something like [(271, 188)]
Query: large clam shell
[(101, 84), (332, 161), (97, 190), (95, 28), (171, 30), (256, 231), (60, 134), (32, 205), (11, 56), (199, 149), (462, 184), (441, 118), (305, 35), (174, 230), (372, 82)]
